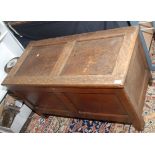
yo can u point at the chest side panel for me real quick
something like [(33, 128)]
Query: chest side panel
[(137, 77)]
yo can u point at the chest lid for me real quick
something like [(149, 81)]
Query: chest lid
[(95, 58)]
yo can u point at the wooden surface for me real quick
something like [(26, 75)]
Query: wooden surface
[(101, 75), (75, 60)]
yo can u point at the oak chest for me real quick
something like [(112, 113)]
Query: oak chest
[(100, 75)]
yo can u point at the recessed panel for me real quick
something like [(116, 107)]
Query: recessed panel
[(40, 60), (96, 103), (93, 57), (50, 101)]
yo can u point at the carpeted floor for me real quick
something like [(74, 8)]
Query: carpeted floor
[(54, 124)]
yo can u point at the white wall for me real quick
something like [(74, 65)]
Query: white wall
[(9, 48)]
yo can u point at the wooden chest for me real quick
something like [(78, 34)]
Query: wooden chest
[(100, 75)]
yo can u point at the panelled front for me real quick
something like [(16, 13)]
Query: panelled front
[(74, 100)]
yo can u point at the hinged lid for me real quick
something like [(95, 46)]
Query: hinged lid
[(91, 59)]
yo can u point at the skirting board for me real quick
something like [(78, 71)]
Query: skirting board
[(20, 119)]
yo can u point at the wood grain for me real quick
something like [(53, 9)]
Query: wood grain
[(100, 75)]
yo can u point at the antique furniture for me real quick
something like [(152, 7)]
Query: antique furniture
[(101, 75)]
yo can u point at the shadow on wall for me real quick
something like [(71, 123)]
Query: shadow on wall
[(51, 29)]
